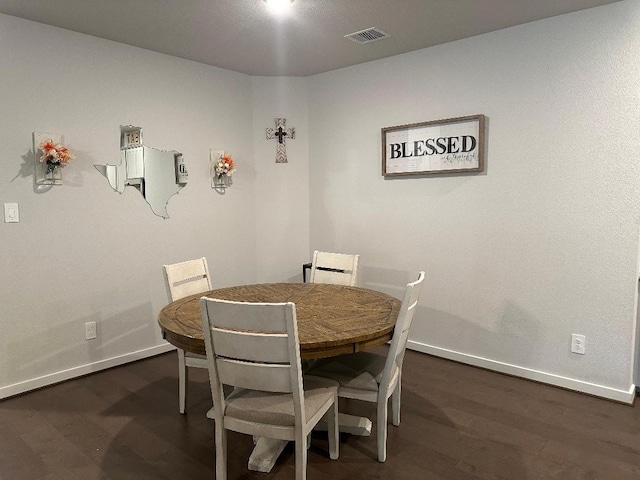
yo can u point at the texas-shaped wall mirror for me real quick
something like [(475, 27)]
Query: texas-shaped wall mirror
[(157, 174)]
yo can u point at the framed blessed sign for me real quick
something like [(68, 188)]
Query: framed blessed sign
[(441, 146)]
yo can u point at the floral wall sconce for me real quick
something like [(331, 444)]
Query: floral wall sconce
[(221, 167), (50, 156)]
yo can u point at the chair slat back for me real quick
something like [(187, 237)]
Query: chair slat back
[(335, 268), (187, 278), (266, 377), (252, 345), (395, 356)]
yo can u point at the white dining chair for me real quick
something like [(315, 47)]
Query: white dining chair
[(336, 268), (184, 279), (372, 377), (254, 348)]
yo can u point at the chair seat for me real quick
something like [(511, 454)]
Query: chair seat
[(277, 408), (359, 371)]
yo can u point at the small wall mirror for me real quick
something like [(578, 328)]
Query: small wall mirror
[(157, 174)]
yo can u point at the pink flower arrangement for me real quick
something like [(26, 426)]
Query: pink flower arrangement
[(55, 155)]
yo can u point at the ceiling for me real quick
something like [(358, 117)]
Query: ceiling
[(241, 35)]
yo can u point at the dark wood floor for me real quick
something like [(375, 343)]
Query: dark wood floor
[(458, 423)]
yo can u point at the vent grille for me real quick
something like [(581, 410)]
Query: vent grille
[(367, 35)]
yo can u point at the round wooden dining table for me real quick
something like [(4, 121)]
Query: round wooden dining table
[(332, 319)]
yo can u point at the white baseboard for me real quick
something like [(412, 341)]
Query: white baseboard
[(536, 375), (529, 374), (57, 377)]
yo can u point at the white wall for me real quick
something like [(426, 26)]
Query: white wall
[(282, 189), (81, 251), (544, 243)]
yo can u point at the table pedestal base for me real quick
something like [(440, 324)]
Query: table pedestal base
[(265, 454), (267, 450), (349, 424)]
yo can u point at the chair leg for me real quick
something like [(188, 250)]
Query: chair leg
[(221, 451), (395, 405), (301, 457), (381, 429), (333, 430), (182, 380)]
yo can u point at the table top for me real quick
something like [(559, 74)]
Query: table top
[(332, 319)]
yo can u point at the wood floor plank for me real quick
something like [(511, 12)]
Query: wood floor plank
[(18, 459), (458, 423)]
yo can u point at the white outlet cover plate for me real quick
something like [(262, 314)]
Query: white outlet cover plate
[(11, 213), (578, 344)]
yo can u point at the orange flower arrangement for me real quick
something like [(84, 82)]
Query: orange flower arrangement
[(55, 155), (225, 166)]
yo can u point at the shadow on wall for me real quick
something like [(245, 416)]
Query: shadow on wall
[(73, 177), (391, 282), (63, 346), (296, 278), (510, 339)]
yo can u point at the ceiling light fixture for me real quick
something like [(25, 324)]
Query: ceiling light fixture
[(279, 6)]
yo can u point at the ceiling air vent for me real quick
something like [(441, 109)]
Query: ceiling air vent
[(367, 35)]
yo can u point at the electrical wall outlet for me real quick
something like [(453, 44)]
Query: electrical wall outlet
[(578, 344), (90, 331)]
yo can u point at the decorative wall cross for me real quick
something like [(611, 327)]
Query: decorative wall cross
[(280, 133)]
